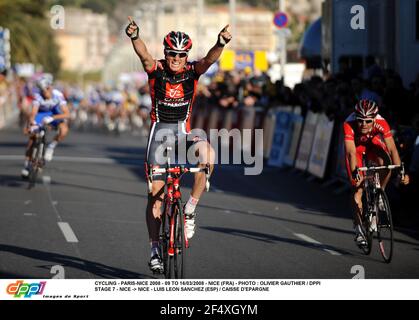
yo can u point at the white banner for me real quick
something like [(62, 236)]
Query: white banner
[(147, 289), (306, 143), (321, 145)]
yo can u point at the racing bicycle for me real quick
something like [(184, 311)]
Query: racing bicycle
[(172, 237), (37, 161), (376, 211)]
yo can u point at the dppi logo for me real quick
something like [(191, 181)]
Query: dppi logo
[(27, 290)]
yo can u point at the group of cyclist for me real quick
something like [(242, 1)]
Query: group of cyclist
[(107, 108), (172, 85)]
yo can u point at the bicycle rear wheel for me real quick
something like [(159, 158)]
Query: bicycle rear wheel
[(177, 253), (384, 227)]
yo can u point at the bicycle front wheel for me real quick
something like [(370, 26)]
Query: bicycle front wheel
[(34, 167), (384, 227), (177, 251), (164, 240)]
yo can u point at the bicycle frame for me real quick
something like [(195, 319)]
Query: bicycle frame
[(37, 155), (378, 207), (173, 193), (172, 242)]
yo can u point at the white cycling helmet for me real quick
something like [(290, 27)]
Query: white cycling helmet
[(365, 109), (45, 81)]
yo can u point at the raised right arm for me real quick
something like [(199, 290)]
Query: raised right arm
[(140, 48)]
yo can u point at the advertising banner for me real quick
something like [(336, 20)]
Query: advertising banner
[(341, 163), (304, 149), (291, 150), (281, 138), (321, 145), (4, 49)]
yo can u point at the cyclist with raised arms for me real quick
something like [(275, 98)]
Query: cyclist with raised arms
[(173, 83), (49, 107), (366, 132)]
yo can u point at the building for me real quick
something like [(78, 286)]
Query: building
[(311, 9), (254, 31), (390, 33), (84, 41)]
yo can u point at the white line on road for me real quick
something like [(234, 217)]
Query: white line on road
[(74, 159), (29, 214), (68, 232), (46, 179), (310, 240)]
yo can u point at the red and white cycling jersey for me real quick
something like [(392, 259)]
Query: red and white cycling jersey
[(381, 130), (172, 95), (371, 144)]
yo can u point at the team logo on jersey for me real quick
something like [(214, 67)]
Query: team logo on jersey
[(174, 91)]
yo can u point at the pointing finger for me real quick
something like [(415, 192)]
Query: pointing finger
[(131, 21), (225, 28)]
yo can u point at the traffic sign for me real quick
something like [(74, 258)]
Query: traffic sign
[(280, 19)]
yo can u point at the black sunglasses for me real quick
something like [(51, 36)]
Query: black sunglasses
[(367, 121), (173, 54)]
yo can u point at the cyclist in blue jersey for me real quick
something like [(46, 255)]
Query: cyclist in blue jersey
[(48, 108)]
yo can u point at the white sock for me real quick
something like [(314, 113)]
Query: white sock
[(191, 205), (26, 163), (53, 144)]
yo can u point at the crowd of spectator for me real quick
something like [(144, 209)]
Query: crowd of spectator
[(335, 95)]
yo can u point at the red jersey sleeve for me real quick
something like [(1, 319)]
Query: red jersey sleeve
[(348, 132), (153, 69), (386, 130)]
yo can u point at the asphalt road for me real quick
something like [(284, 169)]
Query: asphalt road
[(87, 215)]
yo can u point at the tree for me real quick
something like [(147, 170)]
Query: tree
[(31, 38)]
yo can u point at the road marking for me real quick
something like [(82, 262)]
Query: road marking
[(310, 240), (27, 202), (29, 214), (46, 179), (68, 232), (79, 159)]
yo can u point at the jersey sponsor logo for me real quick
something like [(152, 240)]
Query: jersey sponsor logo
[(173, 104), (379, 127), (174, 91), (364, 138)]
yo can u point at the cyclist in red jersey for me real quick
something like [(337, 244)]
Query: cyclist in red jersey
[(366, 132), (173, 83)]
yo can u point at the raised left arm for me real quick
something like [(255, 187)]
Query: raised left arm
[(215, 52)]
